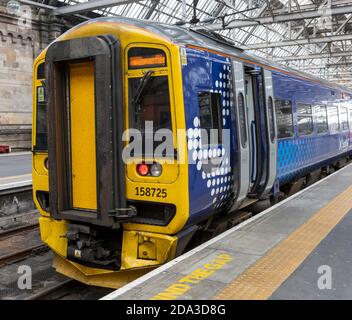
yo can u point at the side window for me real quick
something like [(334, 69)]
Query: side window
[(242, 119), (350, 116), (321, 118), (333, 116), (41, 71), (41, 143), (305, 119), (284, 121), (41, 127), (271, 118), (343, 118), (210, 119)]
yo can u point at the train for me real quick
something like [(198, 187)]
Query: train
[(242, 134)]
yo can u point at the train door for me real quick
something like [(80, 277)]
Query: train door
[(82, 128), (244, 157), (271, 132), (251, 123)]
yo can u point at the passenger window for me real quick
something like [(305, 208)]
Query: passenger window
[(321, 118), (333, 116), (242, 120), (271, 118), (210, 118), (350, 116), (343, 118), (284, 121), (305, 119)]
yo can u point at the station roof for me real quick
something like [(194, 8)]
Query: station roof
[(314, 36)]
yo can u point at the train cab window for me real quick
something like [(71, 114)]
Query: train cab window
[(40, 71), (305, 119), (321, 118), (149, 101), (284, 120), (333, 116), (41, 143), (41, 126), (343, 118), (210, 118)]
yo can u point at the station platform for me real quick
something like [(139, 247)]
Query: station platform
[(297, 249), (15, 170)]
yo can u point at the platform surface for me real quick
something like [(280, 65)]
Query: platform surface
[(15, 170), (297, 249)]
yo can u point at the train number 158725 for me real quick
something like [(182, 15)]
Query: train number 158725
[(151, 192)]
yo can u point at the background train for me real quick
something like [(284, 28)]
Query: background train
[(108, 222)]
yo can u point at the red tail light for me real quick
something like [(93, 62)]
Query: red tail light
[(142, 169)]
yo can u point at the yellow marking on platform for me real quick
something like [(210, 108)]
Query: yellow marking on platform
[(27, 175), (261, 280), (186, 283)]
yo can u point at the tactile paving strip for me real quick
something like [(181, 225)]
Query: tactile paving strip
[(268, 273)]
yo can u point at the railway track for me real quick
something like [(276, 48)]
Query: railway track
[(22, 253), (56, 291), (10, 232)]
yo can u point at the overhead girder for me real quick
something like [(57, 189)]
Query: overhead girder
[(281, 18)]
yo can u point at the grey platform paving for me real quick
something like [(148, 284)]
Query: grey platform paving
[(15, 170), (327, 272), (248, 242)]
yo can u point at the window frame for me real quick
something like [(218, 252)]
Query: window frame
[(38, 82), (304, 115), (131, 120), (343, 106), (332, 105), (292, 119), (243, 124), (157, 71), (315, 106), (349, 109), (219, 116)]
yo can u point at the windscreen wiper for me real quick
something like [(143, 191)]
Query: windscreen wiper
[(141, 87)]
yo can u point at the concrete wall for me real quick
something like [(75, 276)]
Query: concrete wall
[(21, 40)]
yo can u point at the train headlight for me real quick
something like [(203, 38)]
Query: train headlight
[(46, 163), (156, 169)]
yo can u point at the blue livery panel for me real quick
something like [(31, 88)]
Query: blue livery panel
[(299, 155), (208, 191)]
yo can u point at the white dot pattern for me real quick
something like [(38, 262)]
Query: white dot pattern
[(219, 182)]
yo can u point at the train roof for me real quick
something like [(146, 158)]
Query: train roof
[(186, 36)]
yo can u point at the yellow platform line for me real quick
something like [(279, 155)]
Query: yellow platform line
[(261, 279)]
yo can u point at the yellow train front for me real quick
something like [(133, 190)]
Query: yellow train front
[(84, 86)]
